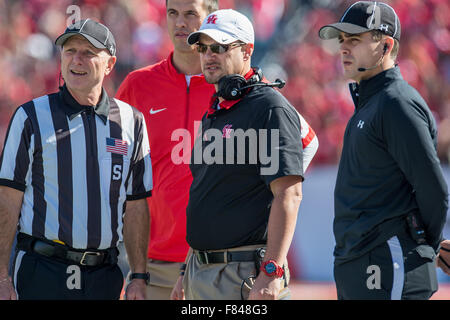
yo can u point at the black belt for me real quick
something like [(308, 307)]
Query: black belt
[(67, 254), (205, 257)]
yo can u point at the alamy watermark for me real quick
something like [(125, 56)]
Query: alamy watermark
[(374, 280), (74, 278), (228, 146)]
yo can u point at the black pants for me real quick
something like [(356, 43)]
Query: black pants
[(37, 277), (397, 269)]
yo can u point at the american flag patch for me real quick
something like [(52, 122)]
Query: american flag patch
[(116, 146)]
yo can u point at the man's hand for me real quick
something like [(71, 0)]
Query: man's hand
[(135, 290), (443, 258), (265, 288), (287, 195), (7, 291), (178, 291)]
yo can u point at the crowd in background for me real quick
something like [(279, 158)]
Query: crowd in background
[(287, 47)]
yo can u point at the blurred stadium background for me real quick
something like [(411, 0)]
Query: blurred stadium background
[(287, 46)]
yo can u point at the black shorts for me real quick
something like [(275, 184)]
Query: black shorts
[(398, 269), (37, 277)]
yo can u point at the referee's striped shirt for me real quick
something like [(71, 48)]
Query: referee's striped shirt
[(77, 166)]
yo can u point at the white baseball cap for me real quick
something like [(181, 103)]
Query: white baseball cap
[(225, 26)]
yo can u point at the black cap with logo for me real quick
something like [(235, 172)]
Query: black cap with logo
[(364, 16), (96, 33)]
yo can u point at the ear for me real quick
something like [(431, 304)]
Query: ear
[(388, 44), (248, 51), (110, 66)]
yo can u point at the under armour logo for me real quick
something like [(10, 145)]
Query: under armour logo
[(360, 124), (384, 27), (212, 19)]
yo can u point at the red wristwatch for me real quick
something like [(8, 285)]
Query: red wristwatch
[(272, 269)]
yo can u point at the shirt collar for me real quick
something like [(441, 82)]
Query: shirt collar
[(367, 88), (226, 104), (173, 72), (72, 108)]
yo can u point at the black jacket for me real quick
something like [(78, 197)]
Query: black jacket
[(389, 168)]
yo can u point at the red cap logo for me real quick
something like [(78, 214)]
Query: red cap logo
[(212, 19)]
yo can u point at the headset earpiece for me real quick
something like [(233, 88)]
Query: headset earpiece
[(229, 86), (380, 61), (234, 86)]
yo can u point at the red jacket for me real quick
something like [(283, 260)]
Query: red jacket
[(161, 94)]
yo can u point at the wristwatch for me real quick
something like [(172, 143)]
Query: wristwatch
[(272, 269), (143, 276)]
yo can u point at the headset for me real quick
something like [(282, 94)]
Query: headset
[(234, 86), (380, 61)]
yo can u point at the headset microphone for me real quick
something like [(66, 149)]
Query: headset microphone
[(235, 92), (278, 83), (371, 68), (378, 63)]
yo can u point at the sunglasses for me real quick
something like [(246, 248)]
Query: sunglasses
[(217, 47)]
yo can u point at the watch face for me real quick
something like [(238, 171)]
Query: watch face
[(270, 267)]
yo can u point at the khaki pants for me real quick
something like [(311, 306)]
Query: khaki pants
[(222, 281), (163, 276)]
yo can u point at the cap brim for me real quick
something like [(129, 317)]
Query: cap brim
[(64, 37), (332, 31), (217, 35)]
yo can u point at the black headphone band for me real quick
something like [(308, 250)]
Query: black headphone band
[(234, 86)]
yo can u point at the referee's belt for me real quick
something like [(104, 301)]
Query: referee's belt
[(66, 254), (206, 257)]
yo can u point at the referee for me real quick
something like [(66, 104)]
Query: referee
[(74, 174)]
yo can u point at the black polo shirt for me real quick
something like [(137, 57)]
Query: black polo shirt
[(240, 149)]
